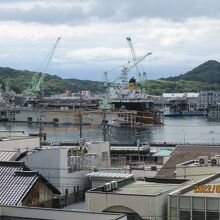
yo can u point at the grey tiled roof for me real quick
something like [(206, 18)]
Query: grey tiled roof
[(16, 180), (182, 154)]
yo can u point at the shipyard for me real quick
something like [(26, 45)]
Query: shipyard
[(109, 110)]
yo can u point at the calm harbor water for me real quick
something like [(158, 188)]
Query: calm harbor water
[(180, 130)]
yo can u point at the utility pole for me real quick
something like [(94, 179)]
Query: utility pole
[(80, 116)]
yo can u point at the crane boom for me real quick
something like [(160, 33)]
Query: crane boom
[(134, 56), (36, 83), (126, 70)]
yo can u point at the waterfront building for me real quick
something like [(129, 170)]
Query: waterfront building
[(214, 111), (207, 98), (181, 104)]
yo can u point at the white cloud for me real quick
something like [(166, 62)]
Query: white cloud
[(102, 45)]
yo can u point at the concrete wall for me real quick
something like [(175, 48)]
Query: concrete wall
[(36, 213), (102, 149), (146, 207)]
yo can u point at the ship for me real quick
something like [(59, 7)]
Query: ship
[(131, 107)]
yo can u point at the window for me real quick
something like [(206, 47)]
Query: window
[(184, 215), (212, 204), (198, 215), (29, 119), (104, 155), (185, 202), (212, 216)]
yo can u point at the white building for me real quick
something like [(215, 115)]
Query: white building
[(214, 111), (138, 199), (198, 201), (66, 167)]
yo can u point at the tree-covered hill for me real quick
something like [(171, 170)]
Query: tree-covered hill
[(20, 79), (204, 77), (207, 72)]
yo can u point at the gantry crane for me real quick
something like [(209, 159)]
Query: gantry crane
[(35, 87)]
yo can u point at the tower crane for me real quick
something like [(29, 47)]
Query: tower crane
[(35, 87)]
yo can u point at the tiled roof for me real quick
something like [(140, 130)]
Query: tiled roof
[(185, 153), (16, 180), (9, 155)]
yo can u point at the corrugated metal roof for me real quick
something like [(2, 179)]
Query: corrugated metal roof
[(7, 155), (110, 175), (16, 181)]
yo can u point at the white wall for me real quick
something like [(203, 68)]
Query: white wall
[(144, 206), (52, 164), (196, 172)]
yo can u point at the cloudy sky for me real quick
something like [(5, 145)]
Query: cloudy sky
[(181, 34)]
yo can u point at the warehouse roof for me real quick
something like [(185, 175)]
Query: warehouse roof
[(16, 182)]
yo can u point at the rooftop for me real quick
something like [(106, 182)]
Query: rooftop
[(110, 175), (213, 181), (145, 188), (183, 153), (16, 181)]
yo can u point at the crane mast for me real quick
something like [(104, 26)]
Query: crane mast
[(134, 56)]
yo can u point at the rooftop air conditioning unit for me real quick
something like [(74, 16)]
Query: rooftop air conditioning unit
[(107, 187), (114, 184), (203, 160), (215, 161)]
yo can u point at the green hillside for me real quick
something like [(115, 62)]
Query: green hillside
[(207, 72), (204, 77), (20, 79)]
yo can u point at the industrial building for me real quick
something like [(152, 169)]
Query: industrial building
[(214, 111), (207, 98)]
